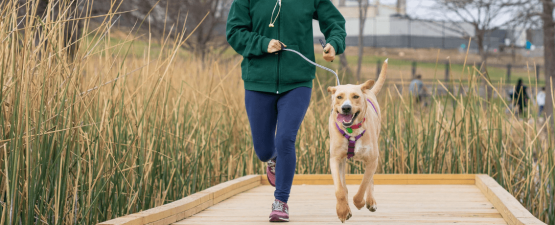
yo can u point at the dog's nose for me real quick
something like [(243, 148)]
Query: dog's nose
[(346, 108)]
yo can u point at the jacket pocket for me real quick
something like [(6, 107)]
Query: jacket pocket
[(262, 69), (293, 68)]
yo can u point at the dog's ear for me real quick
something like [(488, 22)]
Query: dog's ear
[(367, 85), (332, 90)]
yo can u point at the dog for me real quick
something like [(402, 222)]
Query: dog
[(354, 126)]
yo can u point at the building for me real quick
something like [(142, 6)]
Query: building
[(389, 26)]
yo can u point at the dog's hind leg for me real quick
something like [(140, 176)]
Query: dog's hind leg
[(342, 207), (370, 200)]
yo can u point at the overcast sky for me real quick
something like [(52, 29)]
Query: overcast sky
[(415, 8), (423, 9)]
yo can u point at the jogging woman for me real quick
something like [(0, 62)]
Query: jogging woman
[(278, 83)]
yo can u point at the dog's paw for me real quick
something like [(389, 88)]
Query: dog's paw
[(343, 212), (372, 205), (372, 208), (359, 202)]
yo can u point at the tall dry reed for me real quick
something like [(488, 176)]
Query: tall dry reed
[(111, 132)]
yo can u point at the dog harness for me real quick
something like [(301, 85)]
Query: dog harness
[(352, 140), (351, 149)]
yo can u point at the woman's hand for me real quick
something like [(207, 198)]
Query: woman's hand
[(329, 53), (274, 46)]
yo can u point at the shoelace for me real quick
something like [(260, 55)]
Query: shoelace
[(272, 166), (278, 206)]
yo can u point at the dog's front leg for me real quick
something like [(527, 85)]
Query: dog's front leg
[(370, 200), (342, 207)]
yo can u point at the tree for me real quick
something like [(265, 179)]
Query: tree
[(67, 9), (163, 15), (362, 13), (535, 14), (548, 52), (484, 15), (205, 38)]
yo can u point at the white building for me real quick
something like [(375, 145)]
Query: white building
[(388, 26)]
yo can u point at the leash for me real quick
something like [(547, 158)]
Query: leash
[(283, 48)]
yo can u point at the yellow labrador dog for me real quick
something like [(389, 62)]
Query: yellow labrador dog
[(354, 126)]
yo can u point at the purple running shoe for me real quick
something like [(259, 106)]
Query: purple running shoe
[(280, 212), (271, 172)]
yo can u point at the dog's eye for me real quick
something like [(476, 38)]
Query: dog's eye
[(339, 97), (355, 97)]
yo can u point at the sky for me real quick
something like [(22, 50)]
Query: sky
[(415, 8), (423, 9)]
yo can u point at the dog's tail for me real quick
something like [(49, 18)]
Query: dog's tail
[(381, 79)]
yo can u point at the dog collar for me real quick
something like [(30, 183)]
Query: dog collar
[(356, 126), (351, 148)]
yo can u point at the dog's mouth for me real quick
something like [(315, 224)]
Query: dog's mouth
[(347, 119)]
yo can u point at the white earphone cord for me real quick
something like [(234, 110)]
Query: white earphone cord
[(313, 63)]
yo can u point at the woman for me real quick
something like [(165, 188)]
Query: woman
[(278, 83)]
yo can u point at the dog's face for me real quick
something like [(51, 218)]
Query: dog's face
[(348, 101)]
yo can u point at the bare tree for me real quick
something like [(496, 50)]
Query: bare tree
[(212, 13), (483, 15), (164, 16), (67, 9), (362, 13)]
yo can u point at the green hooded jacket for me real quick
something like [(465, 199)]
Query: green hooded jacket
[(248, 32)]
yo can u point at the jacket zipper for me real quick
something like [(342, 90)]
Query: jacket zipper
[(279, 57)]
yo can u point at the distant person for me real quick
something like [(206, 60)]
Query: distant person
[(541, 100), (520, 96), (416, 88)]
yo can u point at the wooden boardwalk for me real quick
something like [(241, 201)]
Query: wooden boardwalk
[(397, 204), (402, 199)]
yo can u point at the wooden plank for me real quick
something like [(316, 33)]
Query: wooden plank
[(177, 210), (125, 220), (326, 179), (235, 191), (388, 176), (397, 204), (402, 199), (381, 188), (512, 211), (331, 217), (165, 221), (350, 222), (193, 211)]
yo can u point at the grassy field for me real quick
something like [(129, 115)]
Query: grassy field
[(402, 70), (118, 130)]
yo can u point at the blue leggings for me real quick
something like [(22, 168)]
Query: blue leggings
[(286, 110)]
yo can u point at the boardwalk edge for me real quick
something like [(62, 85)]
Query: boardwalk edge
[(512, 211), (188, 206)]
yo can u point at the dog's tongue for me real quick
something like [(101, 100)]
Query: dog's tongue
[(344, 118)]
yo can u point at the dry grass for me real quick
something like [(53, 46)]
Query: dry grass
[(111, 133)]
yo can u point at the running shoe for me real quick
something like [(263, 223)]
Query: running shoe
[(271, 172), (280, 212)]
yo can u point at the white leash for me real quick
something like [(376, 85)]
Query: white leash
[(313, 63)]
